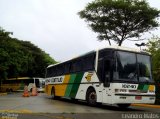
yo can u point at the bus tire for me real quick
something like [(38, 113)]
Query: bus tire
[(91, 97), (74, 100), (54, 97), (123, 105)]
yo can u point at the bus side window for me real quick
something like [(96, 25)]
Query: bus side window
[(37, 83), (67, 68)]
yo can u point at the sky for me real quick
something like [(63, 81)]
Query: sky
[(54, 26)]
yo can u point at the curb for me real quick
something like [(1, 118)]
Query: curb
[(1, 94), (146, 105), (16, 111)]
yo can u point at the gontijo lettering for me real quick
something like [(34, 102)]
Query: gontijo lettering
[(58, 79)]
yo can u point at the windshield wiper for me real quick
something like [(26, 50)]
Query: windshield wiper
[(144, 80)]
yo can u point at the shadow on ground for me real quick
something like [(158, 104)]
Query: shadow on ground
[(100, 106)]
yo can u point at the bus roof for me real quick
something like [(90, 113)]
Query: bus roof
[(24, 78), (108, 47), (122, 48)]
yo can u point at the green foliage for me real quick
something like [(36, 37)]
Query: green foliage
[(154, 49), (120, 20), (153, 46), (21, 58)]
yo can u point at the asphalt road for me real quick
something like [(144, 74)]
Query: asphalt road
[(43, 107)]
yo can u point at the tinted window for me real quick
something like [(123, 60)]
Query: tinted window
[(27, 81), (127, 65), (59, 69), (67, 67), (77, 65), (80, 64), (49, 72), (89, 62), (105, 53), (84, 63), (104, 59), (144, 67), (37, 83)]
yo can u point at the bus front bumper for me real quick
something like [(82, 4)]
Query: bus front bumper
[(129, 98)]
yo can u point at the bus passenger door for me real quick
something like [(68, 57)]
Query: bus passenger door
[(107, 75)]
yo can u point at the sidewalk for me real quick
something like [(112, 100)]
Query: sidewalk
[(146, 105)]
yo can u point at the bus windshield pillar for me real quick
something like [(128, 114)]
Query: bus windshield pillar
[(107, 72)]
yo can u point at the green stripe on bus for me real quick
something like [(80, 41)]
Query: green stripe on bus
[(70, 84), (143, 87), (146, 87), (76, 84), (140, 86)]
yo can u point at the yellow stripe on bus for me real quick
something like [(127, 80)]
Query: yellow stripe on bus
[(49, 89), (66, 79), (151, 88), (60, 89)]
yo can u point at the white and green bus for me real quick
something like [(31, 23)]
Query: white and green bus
[(113, 75)]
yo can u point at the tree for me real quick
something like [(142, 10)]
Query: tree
[(120, 20), (153, 46), (21, 58)]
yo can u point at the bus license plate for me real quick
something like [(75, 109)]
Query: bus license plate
[(138, 97)]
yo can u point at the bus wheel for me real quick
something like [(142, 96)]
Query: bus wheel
[(91, 97), (74, 100), (123, 105), (53, 93)]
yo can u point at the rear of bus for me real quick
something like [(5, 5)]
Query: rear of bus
[(39, 83)]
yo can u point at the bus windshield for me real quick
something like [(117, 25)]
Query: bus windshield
[(133, 67)]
